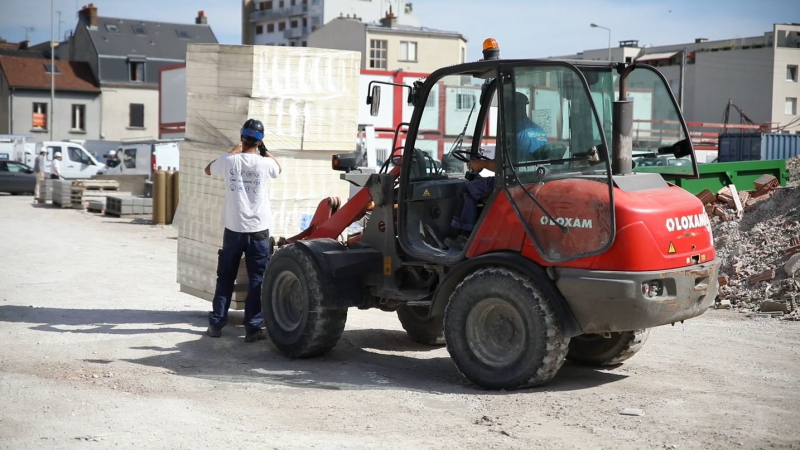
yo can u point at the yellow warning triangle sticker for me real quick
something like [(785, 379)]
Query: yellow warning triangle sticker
[(671, 248), (426, 193)]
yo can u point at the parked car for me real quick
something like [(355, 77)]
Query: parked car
[(76, 162), (16, 178)]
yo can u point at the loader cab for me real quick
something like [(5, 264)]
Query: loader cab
[(540, 122)]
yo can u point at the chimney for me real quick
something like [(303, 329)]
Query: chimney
[(89, 15), (24, 44), (700, 40), (201, 18), (390, 20)]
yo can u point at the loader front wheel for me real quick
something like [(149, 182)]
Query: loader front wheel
[(291, 301), (598, 350), (421, 328), (502, 332)]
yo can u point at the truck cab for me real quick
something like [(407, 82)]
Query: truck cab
[(76, 162)]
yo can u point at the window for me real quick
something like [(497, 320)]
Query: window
[(291, 44), (280, 4), (408, 51), (49, 68), (111, 28), (139, 30), (40, 116), (305, 44), (77, 155), (791, 74), (129, 158), (791, 106), (136, 115), (305, 22), (294, 24), (136, 70), (377, 54), (464, 102), (271, 28), (293, 2), (266, 5), (78, 118), (628, 59), (259, 29), (281, 26), (183, 34), (14, 167), (463, 55)]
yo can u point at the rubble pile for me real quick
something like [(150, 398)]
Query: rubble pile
[(757, 237)]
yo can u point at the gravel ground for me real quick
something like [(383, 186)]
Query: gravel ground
[(123, 362)]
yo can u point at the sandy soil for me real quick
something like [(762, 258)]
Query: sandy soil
[(121, 361)]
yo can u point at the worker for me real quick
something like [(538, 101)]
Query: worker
[(530, 138), (55, 166), (247, 219), (112, 160), (38, 170)]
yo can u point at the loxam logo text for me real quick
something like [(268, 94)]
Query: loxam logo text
[(687, 222), (567, 222)]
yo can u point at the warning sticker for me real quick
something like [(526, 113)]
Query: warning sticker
[(671, 248), (387, 265), (426, 193)]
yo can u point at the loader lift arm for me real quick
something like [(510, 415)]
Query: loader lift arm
[(331, 219)]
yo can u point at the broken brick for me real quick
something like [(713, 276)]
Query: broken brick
[(707, 197), (792, 250), (766, 275), (765, 180), (723, 280)]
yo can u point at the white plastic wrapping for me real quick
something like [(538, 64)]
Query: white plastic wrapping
[(308, 101)]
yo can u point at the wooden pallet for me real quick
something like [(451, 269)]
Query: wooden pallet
[(62, 205), (95, 185), (94, 210)]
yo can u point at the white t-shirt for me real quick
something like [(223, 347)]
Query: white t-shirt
[(55, 167), (246, 207)]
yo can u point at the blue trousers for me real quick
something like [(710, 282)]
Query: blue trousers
[(255, 247), (471, 193)]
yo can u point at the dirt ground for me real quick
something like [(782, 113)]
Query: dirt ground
[(100, 350)]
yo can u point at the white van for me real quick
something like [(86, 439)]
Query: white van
[(76, 162), (143, 159)]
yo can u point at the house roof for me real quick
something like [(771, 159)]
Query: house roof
[(31, 73), (408, 29), (656, 56), (126, 37)]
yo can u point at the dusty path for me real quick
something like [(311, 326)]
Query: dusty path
[(122, 361)]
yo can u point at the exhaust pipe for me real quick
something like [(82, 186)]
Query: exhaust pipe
[(621, 130)]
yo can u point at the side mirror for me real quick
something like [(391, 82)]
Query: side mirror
[(680, 149), (344, 162), (29, 171), (374, 100)]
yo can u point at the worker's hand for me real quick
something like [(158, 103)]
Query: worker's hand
[(479, 164), (235, 150)]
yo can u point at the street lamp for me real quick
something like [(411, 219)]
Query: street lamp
[(594, 25)]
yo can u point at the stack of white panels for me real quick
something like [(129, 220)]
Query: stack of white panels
[(308, 101)]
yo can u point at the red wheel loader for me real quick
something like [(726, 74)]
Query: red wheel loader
[(573, 255)]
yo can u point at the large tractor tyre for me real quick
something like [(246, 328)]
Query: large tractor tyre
[(421, 328), (596, 350), (291, 301), (502, 332)]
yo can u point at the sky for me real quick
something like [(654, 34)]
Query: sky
[(523, 28)]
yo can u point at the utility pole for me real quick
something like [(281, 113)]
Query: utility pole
[(52, 71), (683, 78)]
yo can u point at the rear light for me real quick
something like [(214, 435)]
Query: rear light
[(153, 161)]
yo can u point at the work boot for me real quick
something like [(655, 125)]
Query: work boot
[(456, 244), (254, 335), (213, 332)]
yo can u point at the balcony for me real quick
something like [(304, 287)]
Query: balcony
[(296, 33), (266, 15)]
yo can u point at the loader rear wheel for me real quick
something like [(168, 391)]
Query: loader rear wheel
[(502, 332), (421, 328), (291, 301), (596, 350)]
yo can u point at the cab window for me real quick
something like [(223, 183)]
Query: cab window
[(129, 158)]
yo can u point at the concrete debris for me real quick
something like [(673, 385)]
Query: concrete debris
[(756, 243), (632, 412)]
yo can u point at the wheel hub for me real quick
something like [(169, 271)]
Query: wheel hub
[(495, 332), (287, 301)]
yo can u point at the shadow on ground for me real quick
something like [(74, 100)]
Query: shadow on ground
[(363, 358)]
